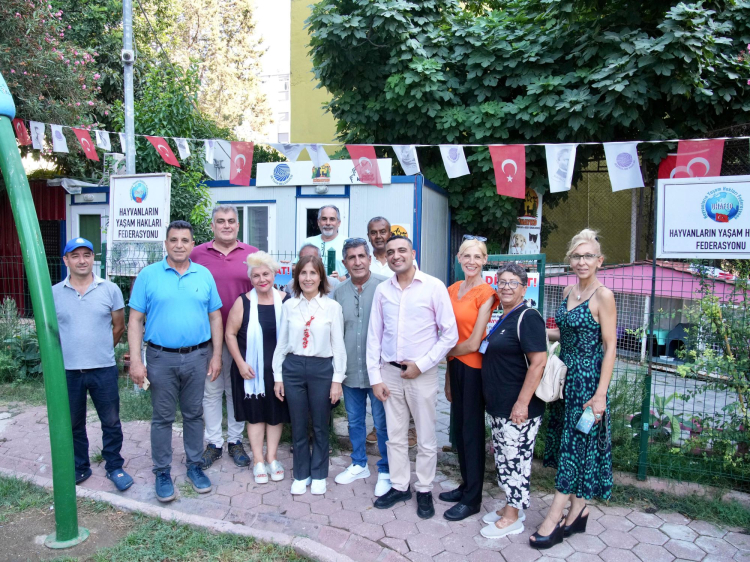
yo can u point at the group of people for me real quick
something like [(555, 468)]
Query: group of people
[(215, 323)]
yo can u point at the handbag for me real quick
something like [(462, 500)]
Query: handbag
[(551, 386)]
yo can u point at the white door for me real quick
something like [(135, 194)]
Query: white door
[(90, 222), (307, 216)]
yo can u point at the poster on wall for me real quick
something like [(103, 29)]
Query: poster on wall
[(703, 218), (532, 293), (139, 215), (525, 238)]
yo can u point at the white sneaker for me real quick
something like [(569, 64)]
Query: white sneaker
[(276, 471), (353, 472), (299, 487), (492, 532), (260, 473), (318, 487), (383, 484), (492, 516)]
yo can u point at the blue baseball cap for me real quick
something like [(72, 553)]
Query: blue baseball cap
[(77, 243)]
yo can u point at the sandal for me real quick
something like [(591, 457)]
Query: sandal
[(276, 470), (260, 473)]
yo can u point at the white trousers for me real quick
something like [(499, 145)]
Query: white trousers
[(212, 398)]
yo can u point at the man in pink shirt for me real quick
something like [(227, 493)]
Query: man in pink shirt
[(225, 258), (412, 328)]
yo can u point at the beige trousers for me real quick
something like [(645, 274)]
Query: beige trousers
[(418, 397)]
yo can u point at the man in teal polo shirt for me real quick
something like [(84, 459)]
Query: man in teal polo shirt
[(183, 310)]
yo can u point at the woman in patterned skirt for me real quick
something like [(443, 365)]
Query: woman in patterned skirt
[(586, 322), (515, 352)]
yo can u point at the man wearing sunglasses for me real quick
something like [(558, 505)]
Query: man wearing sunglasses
[(355, 297)]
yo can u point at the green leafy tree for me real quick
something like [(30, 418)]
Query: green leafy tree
[(528, 71)]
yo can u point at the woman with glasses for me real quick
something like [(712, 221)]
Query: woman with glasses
[(473, 301), (309, 365), (515, 352), (586, 321), (251, 334)]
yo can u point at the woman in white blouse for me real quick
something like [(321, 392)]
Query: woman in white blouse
[(309, 365)]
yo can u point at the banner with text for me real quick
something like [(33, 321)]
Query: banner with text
[(532, 293), (703, 218), (304, 173), (139, 215)]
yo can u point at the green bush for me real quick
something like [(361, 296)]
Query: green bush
[(20, 359)]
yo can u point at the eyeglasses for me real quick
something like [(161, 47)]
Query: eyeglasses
[(584, 257), (501, 284), (348, 240), (472, 237)]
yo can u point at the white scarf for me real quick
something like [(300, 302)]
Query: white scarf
[(254, 353)]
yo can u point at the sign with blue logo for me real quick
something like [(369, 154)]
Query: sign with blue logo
[(703, 218), (282, 174)]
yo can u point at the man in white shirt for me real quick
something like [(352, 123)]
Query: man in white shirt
[(379, 231), (329, 221)]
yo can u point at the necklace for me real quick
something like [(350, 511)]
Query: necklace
[(580, 293)]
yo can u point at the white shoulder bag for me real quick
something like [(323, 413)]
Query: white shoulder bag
[(553, 379)]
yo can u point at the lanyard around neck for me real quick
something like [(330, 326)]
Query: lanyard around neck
[(502, 319)]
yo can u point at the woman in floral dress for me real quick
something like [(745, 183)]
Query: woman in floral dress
[(586, 320)]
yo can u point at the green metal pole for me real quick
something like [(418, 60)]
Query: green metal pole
[(40, 287)]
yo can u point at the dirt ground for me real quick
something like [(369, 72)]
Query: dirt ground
[(22, 534)]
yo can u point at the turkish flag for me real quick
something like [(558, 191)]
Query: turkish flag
[(699, 158), (161, 146), (88, 147), (22, 132), (509, 161), (666, 166), (241, 166), (365, 163)]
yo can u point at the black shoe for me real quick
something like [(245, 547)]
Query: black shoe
[(453, 496), (391, 498), (554, 538), (238, 454), (210, 455), (425, 509), (459, 512), (82, 475), (577, 526)]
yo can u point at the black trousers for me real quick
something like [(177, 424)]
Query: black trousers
[(307, 388), (468, 419)]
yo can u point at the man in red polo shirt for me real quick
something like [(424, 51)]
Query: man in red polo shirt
[(225, 258)]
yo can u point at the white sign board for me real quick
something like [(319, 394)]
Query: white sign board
[(138, 220), (703, 218), (335, 172)]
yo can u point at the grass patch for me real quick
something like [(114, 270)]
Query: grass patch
[(156, 540), (19, 495), (186, 490), (97, 456), (31, 392)]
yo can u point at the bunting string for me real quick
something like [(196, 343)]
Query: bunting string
[(694, 157)]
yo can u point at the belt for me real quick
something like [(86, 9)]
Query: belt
[(397, 365), (179, 349)]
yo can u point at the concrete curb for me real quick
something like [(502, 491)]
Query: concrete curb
[(301, 545)]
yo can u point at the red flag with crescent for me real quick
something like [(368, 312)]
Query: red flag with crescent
[(509, 161), (699, 158), (161, 146), (88, 147), (22, 133), (365, 163), (241, 166)]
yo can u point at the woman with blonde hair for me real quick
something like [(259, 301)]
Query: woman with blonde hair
[(473, 301), (586, 320), (251, 334)]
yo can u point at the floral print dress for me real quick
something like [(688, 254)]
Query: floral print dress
[(583, 462)]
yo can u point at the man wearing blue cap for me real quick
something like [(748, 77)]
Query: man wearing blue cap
[(91, 317)]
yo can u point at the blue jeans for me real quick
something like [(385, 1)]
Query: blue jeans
[(355, 402), (101, 384)]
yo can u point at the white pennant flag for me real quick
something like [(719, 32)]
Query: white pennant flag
[(183, 147), (59, 144), (407, 157), (37, 134), (623, 166), (219, 166), (454, 160), (291, 151), (561, 159), (102, 140), (209, 146), (123, 142), (317, 154)]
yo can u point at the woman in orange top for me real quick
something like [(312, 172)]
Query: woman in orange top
[(473, 302)]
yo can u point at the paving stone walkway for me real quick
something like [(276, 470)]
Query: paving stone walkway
[(345, 520)]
